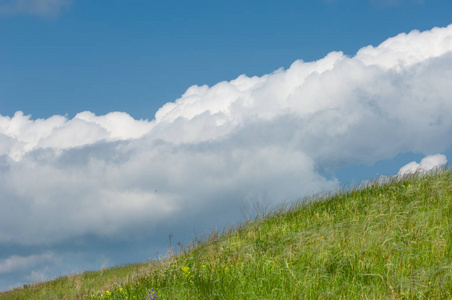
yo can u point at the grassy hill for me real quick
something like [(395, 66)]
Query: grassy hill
[(383, 241)]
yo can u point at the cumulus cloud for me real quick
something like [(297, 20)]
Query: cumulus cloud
[(38, 276), (429, 163), (58, 132), (33, 7), (214, 149), (16, 263)]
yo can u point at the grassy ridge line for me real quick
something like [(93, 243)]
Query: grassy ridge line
[(77, 286), (391, 241)]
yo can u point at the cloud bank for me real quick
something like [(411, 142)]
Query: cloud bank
[(267, 139), (17, 262), (428, 164)]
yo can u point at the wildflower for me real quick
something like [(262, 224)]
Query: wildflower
[(151, 294), (185, 269)]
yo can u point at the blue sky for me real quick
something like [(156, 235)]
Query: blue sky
[(137, 56), (89, 174)]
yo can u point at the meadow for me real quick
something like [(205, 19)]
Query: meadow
[(388, 240)]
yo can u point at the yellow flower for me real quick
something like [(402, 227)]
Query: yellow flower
[(185, 269)]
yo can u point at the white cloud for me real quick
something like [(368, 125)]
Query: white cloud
[(217, 148), (33, 7), (58, 132), (16, 263), (38, 276), (406, 50), (428, 163)]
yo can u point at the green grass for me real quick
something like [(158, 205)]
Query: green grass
[(391, 241)]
